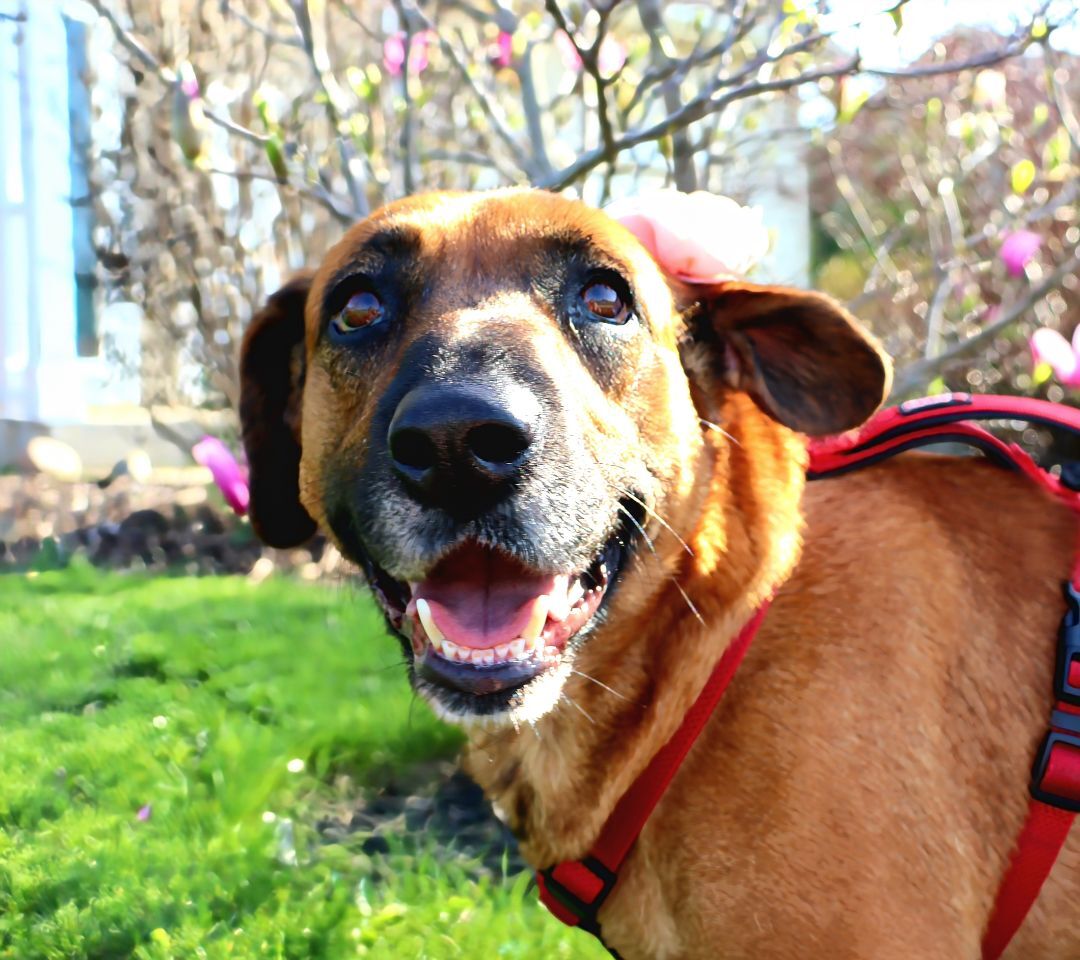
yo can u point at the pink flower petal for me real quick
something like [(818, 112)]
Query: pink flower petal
[(611, 57), (394, 53), (503, 55), (229, 476), (1049, 346), (145, 813), (570, 57), (697, 237), (1017, 250)]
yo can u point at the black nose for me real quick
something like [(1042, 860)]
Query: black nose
[(461, 446)]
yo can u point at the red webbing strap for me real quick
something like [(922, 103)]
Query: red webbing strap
[(1056, 778), (912, 418), (574, 889), (1036, 849)]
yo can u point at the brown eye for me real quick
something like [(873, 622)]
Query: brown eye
[(604, 303), (362, 310)]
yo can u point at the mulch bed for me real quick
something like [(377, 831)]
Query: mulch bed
[(132, 526)]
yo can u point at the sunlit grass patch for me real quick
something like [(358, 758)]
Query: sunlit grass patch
[(166, 747)]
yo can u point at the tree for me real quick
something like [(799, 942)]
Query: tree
[(253, 132)]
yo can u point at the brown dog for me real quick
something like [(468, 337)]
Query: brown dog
[(570, 482)]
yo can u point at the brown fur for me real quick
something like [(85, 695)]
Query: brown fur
[(858, 791)]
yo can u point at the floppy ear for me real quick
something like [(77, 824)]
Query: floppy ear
[(271, 384), (805, 361)]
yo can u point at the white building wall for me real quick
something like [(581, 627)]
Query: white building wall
[(42, 377)]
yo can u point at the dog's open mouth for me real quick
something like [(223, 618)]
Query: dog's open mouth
[(482, 624)]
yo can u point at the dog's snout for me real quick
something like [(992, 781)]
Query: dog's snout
[(454, 445)]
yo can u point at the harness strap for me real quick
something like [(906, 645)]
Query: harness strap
[(575, 890), (1055, 780), (1055, 790)]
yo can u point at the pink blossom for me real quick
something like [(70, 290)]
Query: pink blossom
[(570, 57), (502, 54), (146, 811), (698, 237), (1017, 250), (1050, 347), (611, 58), (394, 52), (230, 477)]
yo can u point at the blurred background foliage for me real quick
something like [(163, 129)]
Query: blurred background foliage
[(252, 133)]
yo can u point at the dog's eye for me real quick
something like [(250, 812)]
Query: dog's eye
[(603, 301), (363, 309)]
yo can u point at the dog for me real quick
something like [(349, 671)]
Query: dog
[(570, 479)]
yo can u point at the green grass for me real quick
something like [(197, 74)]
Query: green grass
[(200, 698)]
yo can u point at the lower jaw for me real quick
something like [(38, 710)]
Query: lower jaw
[(511, 706)]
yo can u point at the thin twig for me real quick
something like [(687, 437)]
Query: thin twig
[(921, 371)]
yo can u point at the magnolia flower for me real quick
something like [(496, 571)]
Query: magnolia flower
[(1017, 250), (502, 51), (1050, 347), (394, 52), (230, 477), (609, 60), (697, 237), (188, 119), (611, 57)]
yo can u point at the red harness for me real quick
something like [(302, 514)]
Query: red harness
[(574, 890)]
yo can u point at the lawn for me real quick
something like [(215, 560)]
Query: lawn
[(168, 748)]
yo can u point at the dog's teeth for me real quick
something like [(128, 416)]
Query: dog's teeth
[(489, 658), (551, 652), (435, 635), (517, 649), (535, 626), (450, 650)]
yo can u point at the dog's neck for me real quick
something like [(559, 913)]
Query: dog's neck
[(557, 781)]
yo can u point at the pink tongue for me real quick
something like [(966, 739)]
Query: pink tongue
[(480, 598)]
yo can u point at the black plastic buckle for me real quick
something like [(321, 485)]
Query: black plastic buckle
[(1068, 648), (586, 912), (1038, 772)]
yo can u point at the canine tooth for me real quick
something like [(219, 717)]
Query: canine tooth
[(435, 635), (536, 622)]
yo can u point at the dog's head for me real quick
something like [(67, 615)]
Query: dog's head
[(492, 401)]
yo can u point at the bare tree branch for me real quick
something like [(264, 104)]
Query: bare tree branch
[(916, 374), (167, 76)]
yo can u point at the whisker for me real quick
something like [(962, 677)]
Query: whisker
[(719, 429), (659, 519), (577, 706), (689, 602), (604, 686), (641, 530), (652, 548)]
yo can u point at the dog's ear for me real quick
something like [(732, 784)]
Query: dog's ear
[(800, 355), (271, 384)]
